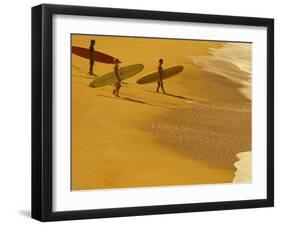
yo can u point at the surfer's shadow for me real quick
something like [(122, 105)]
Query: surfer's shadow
[(179, 97), (173, 95), (132, 100)]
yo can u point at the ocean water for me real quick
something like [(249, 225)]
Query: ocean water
[(232, 61), (243, 167)]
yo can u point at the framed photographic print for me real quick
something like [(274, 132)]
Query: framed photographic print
[(146, 112)]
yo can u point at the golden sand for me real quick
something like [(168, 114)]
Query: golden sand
[(140, 139)]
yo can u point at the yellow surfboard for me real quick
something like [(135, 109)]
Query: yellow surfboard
[(167, 73), (110, 78)]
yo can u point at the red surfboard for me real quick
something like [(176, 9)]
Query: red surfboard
[(98, 56)]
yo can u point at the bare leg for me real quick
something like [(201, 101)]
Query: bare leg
[(158, 87), (117, 89), (162, 87)]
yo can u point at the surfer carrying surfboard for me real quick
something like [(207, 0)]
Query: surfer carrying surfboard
[(160, 79), (92, 49), (116, 71)]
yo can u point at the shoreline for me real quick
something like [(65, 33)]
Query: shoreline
[(243, 173), (222, 61)]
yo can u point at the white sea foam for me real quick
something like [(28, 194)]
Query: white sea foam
[(233, 61), (243, 173)]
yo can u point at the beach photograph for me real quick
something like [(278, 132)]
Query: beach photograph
[(149, 111)]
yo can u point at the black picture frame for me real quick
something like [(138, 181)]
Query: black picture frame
[(42, 107)]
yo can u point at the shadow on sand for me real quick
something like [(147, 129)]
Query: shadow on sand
[(173, 95), (179, 97), (131, 100), (134, 100)]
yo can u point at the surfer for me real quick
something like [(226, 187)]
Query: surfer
[(116, 71), (92, 49), (160, 80)]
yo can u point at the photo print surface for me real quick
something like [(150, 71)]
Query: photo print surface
[(159, 112)]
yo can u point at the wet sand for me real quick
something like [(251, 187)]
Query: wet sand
[(190, 136), (205, 132)]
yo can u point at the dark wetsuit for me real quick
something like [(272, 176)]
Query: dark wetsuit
[(160, 81), (91, 49)]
